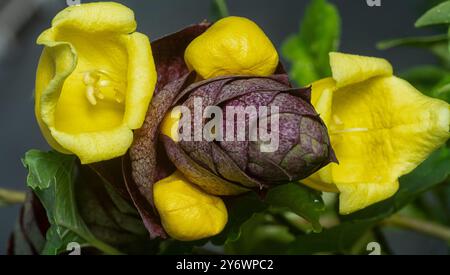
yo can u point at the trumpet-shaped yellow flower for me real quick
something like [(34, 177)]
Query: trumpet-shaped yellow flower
[(232, 46), (380, 127), (188, 213), (94, 81)]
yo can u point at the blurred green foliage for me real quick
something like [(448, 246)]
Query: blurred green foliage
[(218, 10), (307, 51)]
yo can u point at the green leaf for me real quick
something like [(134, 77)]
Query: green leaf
[(303, 69), (57, 241), (219, 10), (240, 209), (428, 4), (308, 50), (431, 205), (52, 177), (109, 216), (261, 235), (435, 16), (293, 197), (425, 77), (440, 50), (444, 195), (320, 30), (300, 200), (448, 36), (339, 239), (442, 89), (437, 45), (422, 41)]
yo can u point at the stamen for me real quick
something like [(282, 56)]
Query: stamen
[(104, 83), (94, 82), (118, 96), (87, 79), (90, 94), (99, 94)]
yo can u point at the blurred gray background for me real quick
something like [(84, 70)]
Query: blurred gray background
[(21, 23)]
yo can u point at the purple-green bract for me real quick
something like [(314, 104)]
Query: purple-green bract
[(303, 142)]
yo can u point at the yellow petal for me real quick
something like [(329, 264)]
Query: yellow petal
[(187, 213), (232, 46), (96, 17), (96, 146), (321, 180), (349, 69), (50, 78), (44, 75), (380, 128), (322, 100), (141, 79), (169, 125), (354, 197)]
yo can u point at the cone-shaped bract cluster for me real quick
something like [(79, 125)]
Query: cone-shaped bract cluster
[(230, 164)]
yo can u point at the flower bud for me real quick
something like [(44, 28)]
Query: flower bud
[(232, 46), (268, 133), (187, 213)]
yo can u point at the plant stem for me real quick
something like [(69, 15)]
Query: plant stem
[(295, 222), (11, 196), (361, 244), (219, 9), (424, 227)]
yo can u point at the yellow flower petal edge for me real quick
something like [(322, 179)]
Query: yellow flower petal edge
[(94, 81), (350, 69), (187, 213), (96, 17), (169, 125), (232, 46), (322, 102), (380, 127)]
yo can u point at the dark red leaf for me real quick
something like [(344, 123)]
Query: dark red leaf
[(143, 152), (148, 214), (168, 53), (29, 234)]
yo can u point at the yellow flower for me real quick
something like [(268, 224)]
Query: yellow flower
[(232, 46), (187, 213), (94, 81), (380, 127)]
